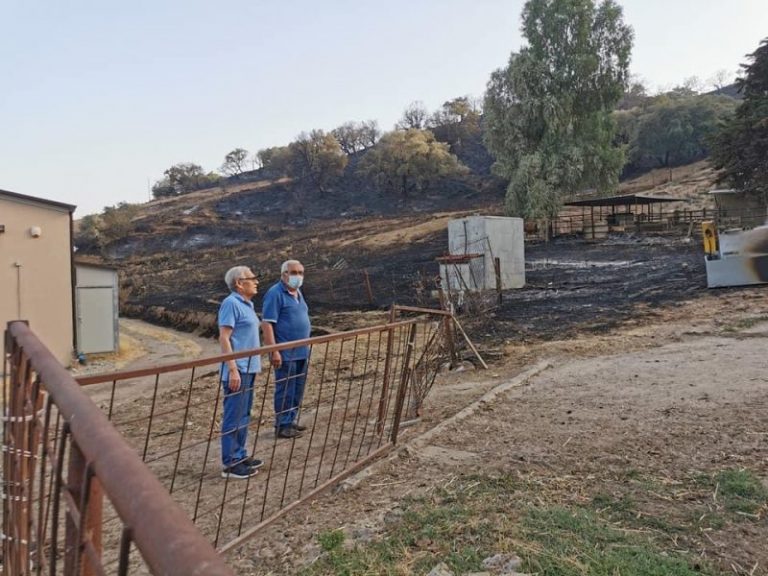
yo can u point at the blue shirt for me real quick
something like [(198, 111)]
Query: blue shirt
[(289, 317), (237, 313)]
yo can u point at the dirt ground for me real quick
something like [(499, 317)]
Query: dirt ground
[(666, 393), (680, 393)]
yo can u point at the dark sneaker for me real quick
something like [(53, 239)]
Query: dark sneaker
[(299, 427), (253, 463), (288, 432), (239, 471)]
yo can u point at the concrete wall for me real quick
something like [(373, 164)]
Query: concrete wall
[(36, 272), (488, 237)]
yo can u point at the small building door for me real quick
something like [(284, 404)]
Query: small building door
[(95, 319)]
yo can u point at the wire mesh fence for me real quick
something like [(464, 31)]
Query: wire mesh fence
[(360, 385)]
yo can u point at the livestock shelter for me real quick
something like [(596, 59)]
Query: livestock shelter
[(36, 269), (620, 213)]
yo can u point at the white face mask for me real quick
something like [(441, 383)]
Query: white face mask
[(295, 282)]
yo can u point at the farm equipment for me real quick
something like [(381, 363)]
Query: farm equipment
[(735, 257)]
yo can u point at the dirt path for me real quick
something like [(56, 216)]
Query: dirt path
[(143, 345), (640, 415)]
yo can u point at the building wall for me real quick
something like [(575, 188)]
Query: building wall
[(36, 273)]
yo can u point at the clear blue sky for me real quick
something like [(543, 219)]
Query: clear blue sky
[(97, 98)]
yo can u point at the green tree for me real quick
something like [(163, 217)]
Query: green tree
[(547, 114), (674, 131), (457, 122), (276, 160), (408, 160), (741, 147), (183, 178), (235, 162), (317, 156)]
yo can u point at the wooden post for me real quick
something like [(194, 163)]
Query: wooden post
[(368, 288), (448, 325), (382, 413), (497, 270)]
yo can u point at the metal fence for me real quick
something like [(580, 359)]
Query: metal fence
[(649, 220), (361, 385)]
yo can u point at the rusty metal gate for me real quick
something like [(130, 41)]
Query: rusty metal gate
[(148, 440)]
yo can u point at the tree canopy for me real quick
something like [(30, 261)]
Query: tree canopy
[(355, 137), (408, 160), (548, 121), (740, 149), (183, 178), (671, 130), (318, 157), (235, 162)]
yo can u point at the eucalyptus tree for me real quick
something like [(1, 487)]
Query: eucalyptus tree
[(548, 112)]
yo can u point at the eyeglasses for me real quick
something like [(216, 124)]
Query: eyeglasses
[(251, 278), (295, 272)]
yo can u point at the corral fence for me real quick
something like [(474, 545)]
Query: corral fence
[(97, 466), (647, 220)]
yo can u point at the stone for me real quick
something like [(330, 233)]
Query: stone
[(503, 563), (440, 570)]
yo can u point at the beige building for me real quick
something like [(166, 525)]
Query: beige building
[(36, 271)]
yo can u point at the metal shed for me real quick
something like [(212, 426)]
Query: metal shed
[(96, 301)]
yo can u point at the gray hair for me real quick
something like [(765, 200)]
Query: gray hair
[(234, 274), (284, 266)]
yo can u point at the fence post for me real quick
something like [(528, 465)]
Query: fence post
[(85, 491), (497, 270), (381, 414), (405, 376), (368, 288)]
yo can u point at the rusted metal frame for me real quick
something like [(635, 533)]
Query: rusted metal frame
[(7, 355), (14, 355), (42, 507), (207, 451), (269, 470), (398, 358), (34, 444), (158, 414), (346, 407), (56, 495), (233, 544), (370, 399), (387, 368), (183, 429), (21, 379), (150, 419), (111, 398), (293, 444), (314, 421), (404, 380), (359, 400), (226, 487), (101, 378), (90, 513), (125, 551), (287, 473), (164, 524), (330, 413), (420, 310)]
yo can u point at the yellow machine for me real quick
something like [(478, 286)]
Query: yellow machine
[(709, 233)]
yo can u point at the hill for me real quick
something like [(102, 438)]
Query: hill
[(174, 252)]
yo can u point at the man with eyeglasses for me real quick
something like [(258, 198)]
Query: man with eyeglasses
[(238, 330), (285, 316)]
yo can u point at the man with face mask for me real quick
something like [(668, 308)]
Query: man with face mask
[(285, 318)]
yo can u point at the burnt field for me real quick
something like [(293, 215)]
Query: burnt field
[(573, 286)]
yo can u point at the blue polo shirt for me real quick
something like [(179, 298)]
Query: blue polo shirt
[(238, 313), (289, 317)]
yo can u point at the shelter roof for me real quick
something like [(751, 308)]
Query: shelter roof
[(623, 200)]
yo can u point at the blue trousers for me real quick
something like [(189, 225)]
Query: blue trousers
[(237, 416), (289, 391)]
